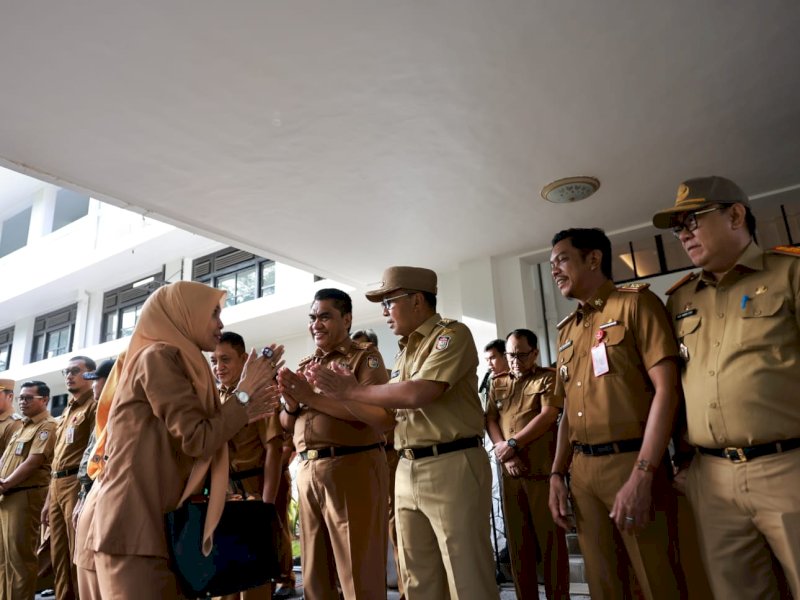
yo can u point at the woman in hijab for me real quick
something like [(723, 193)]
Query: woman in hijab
[(167, 431)]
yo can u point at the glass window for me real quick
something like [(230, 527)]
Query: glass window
[(130, 316), (267, 279), (14, 232), (58, 342), (5, 356), (243, 275), (110, 326), (241, 286), (52, 333), (70, 206)]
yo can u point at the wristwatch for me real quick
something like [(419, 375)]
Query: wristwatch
[(243, 398), (512, 443)]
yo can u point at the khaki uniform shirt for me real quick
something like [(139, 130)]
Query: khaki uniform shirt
[(74, 429), (10, 422), (741, 346), (156, 430), (516, 401), (36, 436), (314, 429), (637, 333), (247, 449), (440, 350)]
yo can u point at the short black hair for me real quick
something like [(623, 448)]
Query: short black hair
[(430, 298), (366, 333), (499, 345), (533, 341), (42, 389), (234, 340), (341, 300), (87, 362), (587, 240)]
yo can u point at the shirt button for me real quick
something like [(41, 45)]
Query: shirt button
[(711, 373), (758, 312), (716, 344), (713, 405), (720, 315), (586, 324), (580, 414), (578, 384)]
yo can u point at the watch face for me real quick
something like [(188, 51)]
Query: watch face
[(512, 442), (243, 397)]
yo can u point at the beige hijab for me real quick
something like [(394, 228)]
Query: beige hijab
[(178, 314)]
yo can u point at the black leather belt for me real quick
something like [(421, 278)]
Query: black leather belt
[(334, 451), (65, 473), (738, 455), (609, 448), (240, 475), (438, 449)]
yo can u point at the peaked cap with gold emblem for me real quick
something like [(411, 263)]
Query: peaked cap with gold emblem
[(700, 193)]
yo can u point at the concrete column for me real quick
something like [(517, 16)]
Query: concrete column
[(43, 209)]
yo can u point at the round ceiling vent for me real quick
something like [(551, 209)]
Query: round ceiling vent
[(570, 189)]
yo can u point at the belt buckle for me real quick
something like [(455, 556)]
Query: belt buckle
[(408, 453), (312, 454), (736, 455)]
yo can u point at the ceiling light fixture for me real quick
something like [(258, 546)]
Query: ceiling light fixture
[(570, 189)]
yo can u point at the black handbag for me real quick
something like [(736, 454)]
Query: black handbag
[(245, 547)]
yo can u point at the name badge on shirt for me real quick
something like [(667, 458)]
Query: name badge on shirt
[(600, 359), (19, 449), (70, 434)]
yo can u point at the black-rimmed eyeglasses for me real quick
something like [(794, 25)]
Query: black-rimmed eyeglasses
[(689, 222)]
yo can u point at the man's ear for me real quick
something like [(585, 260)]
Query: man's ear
[(737, 215)]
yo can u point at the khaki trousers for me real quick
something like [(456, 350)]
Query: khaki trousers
[(442, 508), (282, 498), (594, 483), (20, 513), (528, 522), (124, 577), (392, 458), (88, 586), (343, 525), (63, 497), (745, 512)]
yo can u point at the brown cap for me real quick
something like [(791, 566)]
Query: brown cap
[(7, 385), (700, 193), (404, 278)]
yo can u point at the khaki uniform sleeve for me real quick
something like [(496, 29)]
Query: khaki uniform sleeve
[(549, 396), (653, 331), (44, 442), (371, 370), (451, 363), (172, 397), (269, 429)]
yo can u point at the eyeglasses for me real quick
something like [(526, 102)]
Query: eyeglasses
[(518, 355), (72, 371), (690, 221), (388, 303), (28, 398)]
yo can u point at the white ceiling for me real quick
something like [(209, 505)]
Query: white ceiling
[(344, 136)]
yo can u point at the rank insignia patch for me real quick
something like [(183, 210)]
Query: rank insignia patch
[(372, 362), (43, 435), (442, 342)]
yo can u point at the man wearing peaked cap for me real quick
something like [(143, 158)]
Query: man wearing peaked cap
[(9, 421), (738, 324), (443, 481)]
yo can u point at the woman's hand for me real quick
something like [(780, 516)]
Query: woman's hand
[(260, 371)]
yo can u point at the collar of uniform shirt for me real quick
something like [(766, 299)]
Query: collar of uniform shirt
[(80, 399), (423, 330), (752, 259)]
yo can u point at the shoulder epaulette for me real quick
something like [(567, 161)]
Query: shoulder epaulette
[(548, 369), (363, 345), (446, 322), (681, 282), (786, 250), (635, 286), (303, 362), (566, 319)]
